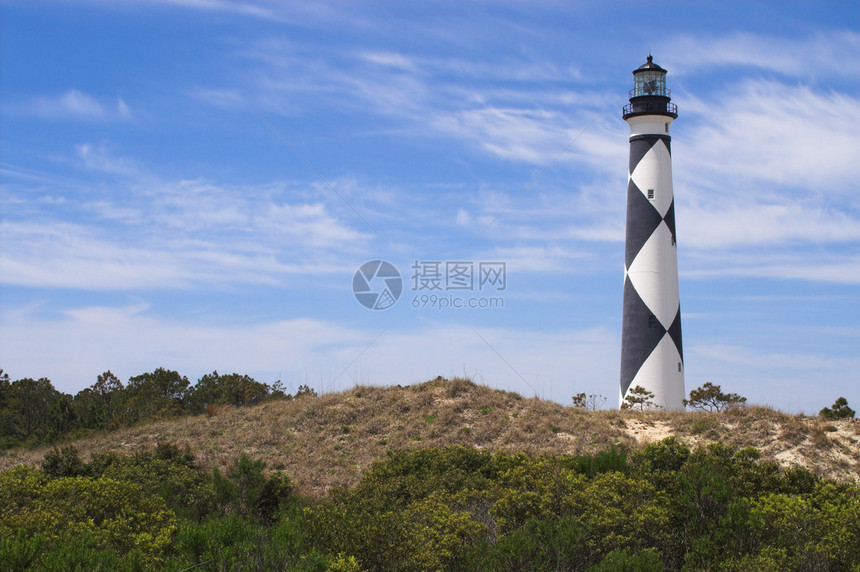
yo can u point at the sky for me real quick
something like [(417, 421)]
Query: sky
[(194, 185)]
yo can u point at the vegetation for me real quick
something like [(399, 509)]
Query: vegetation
[(32, 412), (345, 432), (662, 507), (497, 482), (639, 398), (710, 397), (590, 402), (839, 410)]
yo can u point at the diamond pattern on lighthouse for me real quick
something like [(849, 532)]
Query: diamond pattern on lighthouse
[(648, 274), (652, 319), (651, 172), (661, 365), (642, 219), (640, 335)]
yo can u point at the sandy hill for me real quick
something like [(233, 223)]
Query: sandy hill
[(330, 440)]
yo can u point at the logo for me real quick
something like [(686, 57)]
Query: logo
[(377, 285)]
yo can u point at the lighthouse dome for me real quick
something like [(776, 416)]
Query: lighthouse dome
[(649, 66)]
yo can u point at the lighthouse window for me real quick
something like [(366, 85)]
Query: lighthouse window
[(650, 193), (673, 240), (679, 366), (667, 127), (652, 321)]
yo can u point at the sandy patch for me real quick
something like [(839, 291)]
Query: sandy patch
[(649, 431)]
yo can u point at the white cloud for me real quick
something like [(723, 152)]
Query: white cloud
[(298, 13), (463, 218), (446, 96), (225, 98), (813, 266), (772, 133), (61, 255), (100, 158), (75, 104), (388, 59), (542, 258), (779, 378), (828, 53), (744, 222), (155, 235), (530, 135), (129, 340)]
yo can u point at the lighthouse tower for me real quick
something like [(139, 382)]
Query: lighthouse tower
[(651, 354)]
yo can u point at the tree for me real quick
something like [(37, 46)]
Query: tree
[(639, 398), (34, 410), (247, 491), (839, 410), (305, 390), (710, 397), (5, 389), (96, 405), (595, 401), (591, 402), (157, 394), (233, 389), (108, 388)]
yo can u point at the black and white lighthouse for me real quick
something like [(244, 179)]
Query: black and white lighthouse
[(651, 352)]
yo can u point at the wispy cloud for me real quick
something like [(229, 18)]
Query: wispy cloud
[(91, 339), (748, 223), (100, 158), (825, 54), (296, 13), (57, 255), (75, 104), (554, 364), (768, 376), (809, 265), (468, 100), (389, 60), (225, 98), (773, 133), (141, 233)]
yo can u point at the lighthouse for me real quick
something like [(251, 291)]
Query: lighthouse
[(651, 352)]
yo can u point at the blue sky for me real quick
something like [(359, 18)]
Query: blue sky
[(193, 184)]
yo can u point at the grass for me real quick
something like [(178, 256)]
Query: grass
[(329, 441)]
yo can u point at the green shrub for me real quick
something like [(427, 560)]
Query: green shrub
[(116, 515), (668, 455), (839, 410), (620, 560), (63, 462), (539, 544), (246, 490), (167, 472), (19, 551)]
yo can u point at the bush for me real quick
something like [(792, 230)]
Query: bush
[(20, 551), (539, 544), (620, 560), (246, 490), (114, 515), (839, 410), (668, 455), (710, 397), (63, 462)]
